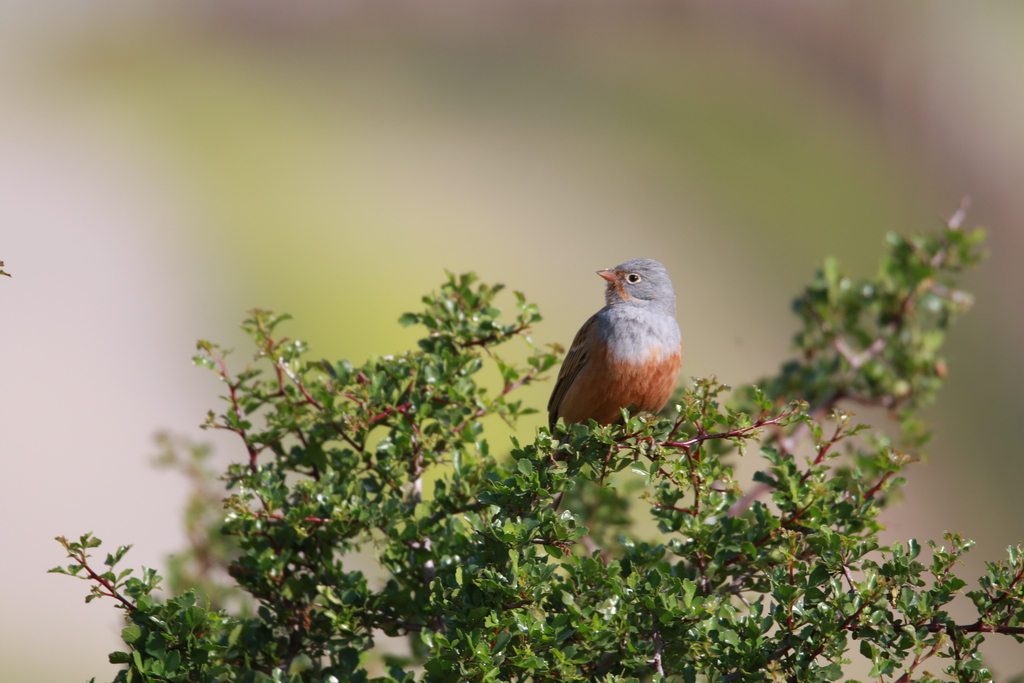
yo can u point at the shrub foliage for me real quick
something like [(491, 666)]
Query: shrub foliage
[(656, 563)]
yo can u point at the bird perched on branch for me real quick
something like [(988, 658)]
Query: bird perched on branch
[(627, 355)]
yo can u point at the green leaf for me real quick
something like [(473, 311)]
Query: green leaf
[(131, 634)]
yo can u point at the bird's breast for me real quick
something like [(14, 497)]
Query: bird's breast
[(638, 336)]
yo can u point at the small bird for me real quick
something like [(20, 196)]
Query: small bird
[(627, 355)]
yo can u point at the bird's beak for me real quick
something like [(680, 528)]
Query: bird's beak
[(608, 275)]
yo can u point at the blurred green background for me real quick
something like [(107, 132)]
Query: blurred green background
[(166, 165)]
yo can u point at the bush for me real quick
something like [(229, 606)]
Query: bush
[(489, 580)]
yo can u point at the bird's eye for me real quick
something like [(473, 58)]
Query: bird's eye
[(632, 278)]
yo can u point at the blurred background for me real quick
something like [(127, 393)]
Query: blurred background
[(165, 166)]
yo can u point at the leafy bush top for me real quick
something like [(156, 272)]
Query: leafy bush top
[(782, 579)]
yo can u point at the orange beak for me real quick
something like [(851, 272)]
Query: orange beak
[(608, 275)]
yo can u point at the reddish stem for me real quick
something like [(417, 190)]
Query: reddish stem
[(111, 590)]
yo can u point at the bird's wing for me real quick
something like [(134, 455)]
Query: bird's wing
[(574, 361)]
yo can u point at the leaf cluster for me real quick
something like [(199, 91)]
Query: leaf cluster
[(530, 566)]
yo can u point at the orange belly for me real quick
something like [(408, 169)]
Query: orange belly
[(604, 387)]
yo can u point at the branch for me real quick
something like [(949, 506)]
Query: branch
[(953, 222), (484, 341), (995, 601), (312, 401), (82, 559), (742, 433), (294, 378), (858, 359), (222, 370), (977, 627), (480, 412), (281, 518)]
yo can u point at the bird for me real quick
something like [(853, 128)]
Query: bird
[(627, 355)]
